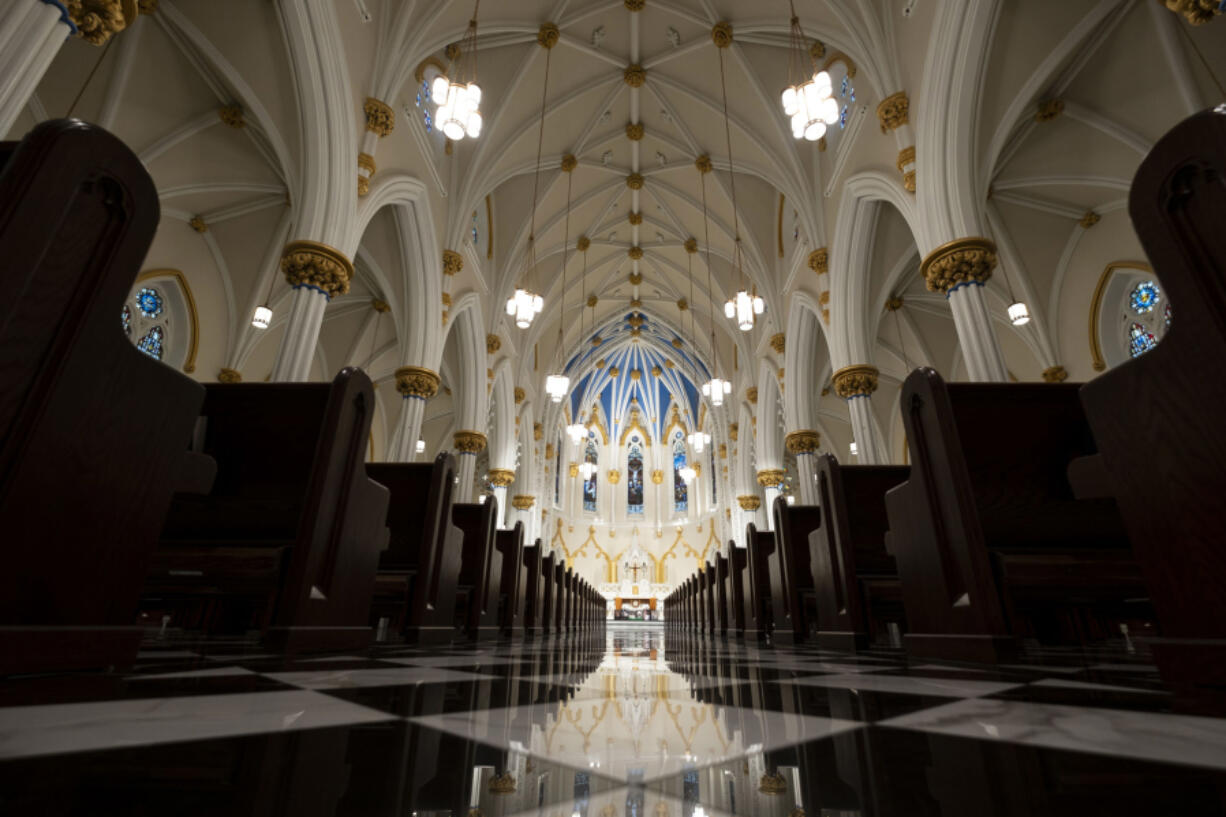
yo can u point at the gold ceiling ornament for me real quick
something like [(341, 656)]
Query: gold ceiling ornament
[(503, 783), (635, 5), (380, 118), (668, 364), (635, 278), (537, 431), (198, 224), (751, 394), (469, 442), (592, 300), (636, 375), (778, 342), (569, 162), (691, 245), (859, 380), (635, 320), (583, 243), (1196, 12), (453, 262), (817, 49), (447, 299), (779, 374), (635, 253), (635, 75), (417, 381), (961, 261), (501, 477), (573, 470), (229, 376), (489, 373), (770, 477), (826, 315), (614, 371), (634, 218), (550, 451), (232, 116), (703, 163), (893, 304), (492, 344), (380, 306), (824, 298), (656, 371), (98, 20), (310, 263), (657, 477), (600, 364), (819, 260), (366, 162), (635, 181), (723, 451), (1089, 220), (523, 502), (804, 441), (1055, 374), (677, 344), (772, 783), (452, 51), (749, 502), (1049, 109), (906, 158), (733, 429), (547, 35), (520, 395), (721, 34), (683, 304), (634, 131), (596, 341), (614, 476), (893, 111)]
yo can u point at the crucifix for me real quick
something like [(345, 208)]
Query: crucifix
[(634, 570)]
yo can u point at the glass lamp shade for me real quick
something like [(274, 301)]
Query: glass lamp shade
[(854, 449), (1019, 315), (811, 106), (716, 388), (459, 112), (556, 386), (586, 469), (742, 308), (262, 317), (698, 440), (524, 306), (688, 474), (791, 500), (576, 432), (421, 446), (439, 89)]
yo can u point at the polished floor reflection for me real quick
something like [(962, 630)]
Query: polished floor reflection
[(636, 721)]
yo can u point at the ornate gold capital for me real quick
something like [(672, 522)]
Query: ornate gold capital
[(417, 381), (772, 783), (615, 476), (492, 344), (573, 469), (963, 261), (723, 452), (906, 158), (721, 34), (634, 131), (550, 451), (548, 35), (366, 162), (819, 260), (1055, 374), (312, 264), (751, 394), (893, 111), (855, 381), (453, 262), (805, 441), (501, 477), (98, 20), (380, 118), (1196, 12), (634, 181), (523, 502), (502, 783), (229, 376), (749, 502), (232, 116), (778, 342), (469, 442), (770, 477), (635, 75)]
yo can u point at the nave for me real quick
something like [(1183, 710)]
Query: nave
[(638, 719)]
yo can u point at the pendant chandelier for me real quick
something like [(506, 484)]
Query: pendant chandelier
[(576, 431), (586, 469), (746, 304), (525, 304), (457, 93), (716, 388), (808, 98), (1019, 313), (688, 474), (557, 385), (699, 440)]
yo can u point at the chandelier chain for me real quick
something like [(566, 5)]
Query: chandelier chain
[(540, 141), (736, 227)]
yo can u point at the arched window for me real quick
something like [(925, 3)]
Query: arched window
[(1130, 315), (681, 493), (714, 481), (589, 485), (145, 318), (1147, 315), (476, 233), (634, 475), (557, 476)]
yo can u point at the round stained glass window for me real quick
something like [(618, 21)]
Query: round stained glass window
[(1144, 297), (150, 303)]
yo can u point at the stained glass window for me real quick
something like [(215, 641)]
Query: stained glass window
[(557, 476), (429, 121), (634, 476), (589, 485), (1166, 316), (475, 232), (1140, 341), (847, 96), (681, 492), (713, 480), (149, 302), (127, 320), (1144, 297), (151, 343)]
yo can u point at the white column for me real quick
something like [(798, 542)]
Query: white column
[(804, 443), (31, 34), (870, 450), (976, 335), (467, 445), (772, 493), (500, 493), (316, 272), (416, 385)]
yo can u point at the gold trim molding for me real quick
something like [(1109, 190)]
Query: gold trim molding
[(523, 502), (193, 344), (1096, 352)]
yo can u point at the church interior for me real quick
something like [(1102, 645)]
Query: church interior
[(401, 415)]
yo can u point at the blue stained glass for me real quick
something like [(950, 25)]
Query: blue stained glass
[(634, 477), (476, 235), (681, 492), (1167, 312), (1144, 297), (149, 302), (1141, 340), (151, 343), (843, 117), (844, 86), (127, 321), (589, 484), (429, 121)]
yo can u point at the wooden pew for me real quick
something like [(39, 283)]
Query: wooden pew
[(548, 591), (416, 583), (509, 603), (93, 433), (711, 613), (533, 597), (477, 523), (793, 525), (741, 599), (770, 620), (857, 587), (990, 542), (723, 597), (559, 597), (1170, 401), (292, 528)]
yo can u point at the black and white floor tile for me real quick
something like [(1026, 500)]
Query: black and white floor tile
[(635, 721)]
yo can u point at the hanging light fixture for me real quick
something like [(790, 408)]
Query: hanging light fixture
[(576, 431), (688, 473), (458, 96), (746, 304), (1019, 313), (716, 388), (808, 98), (586, 469), (698, 440), (421, 446), (557, 385), (263, 315)]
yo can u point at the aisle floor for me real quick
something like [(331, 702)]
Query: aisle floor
[(634, 721)]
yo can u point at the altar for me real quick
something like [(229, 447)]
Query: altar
[(633, 596)]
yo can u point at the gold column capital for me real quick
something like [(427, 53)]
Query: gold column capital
[(778, 342), (501, 477), (417, 381), (803, 441), (313, 264), (380, 117), (523, 502), (99, 20), (453, 262), (957, 262), (771, 477), (819, 260), (469, 442), (229, 376), (893, 111), (859, 380), (1196, 12), (751, 394), (1055, 374), (492, 344), (749, 502)]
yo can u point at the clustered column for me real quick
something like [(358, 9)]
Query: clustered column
[(750, 503), (856, 384), (501, 479), (959, 269), (468, 444), (522, 503), (416, 385), (771, 481), (316, 273), (804, 444)]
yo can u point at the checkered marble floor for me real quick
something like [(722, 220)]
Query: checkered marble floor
[(635, 721)]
